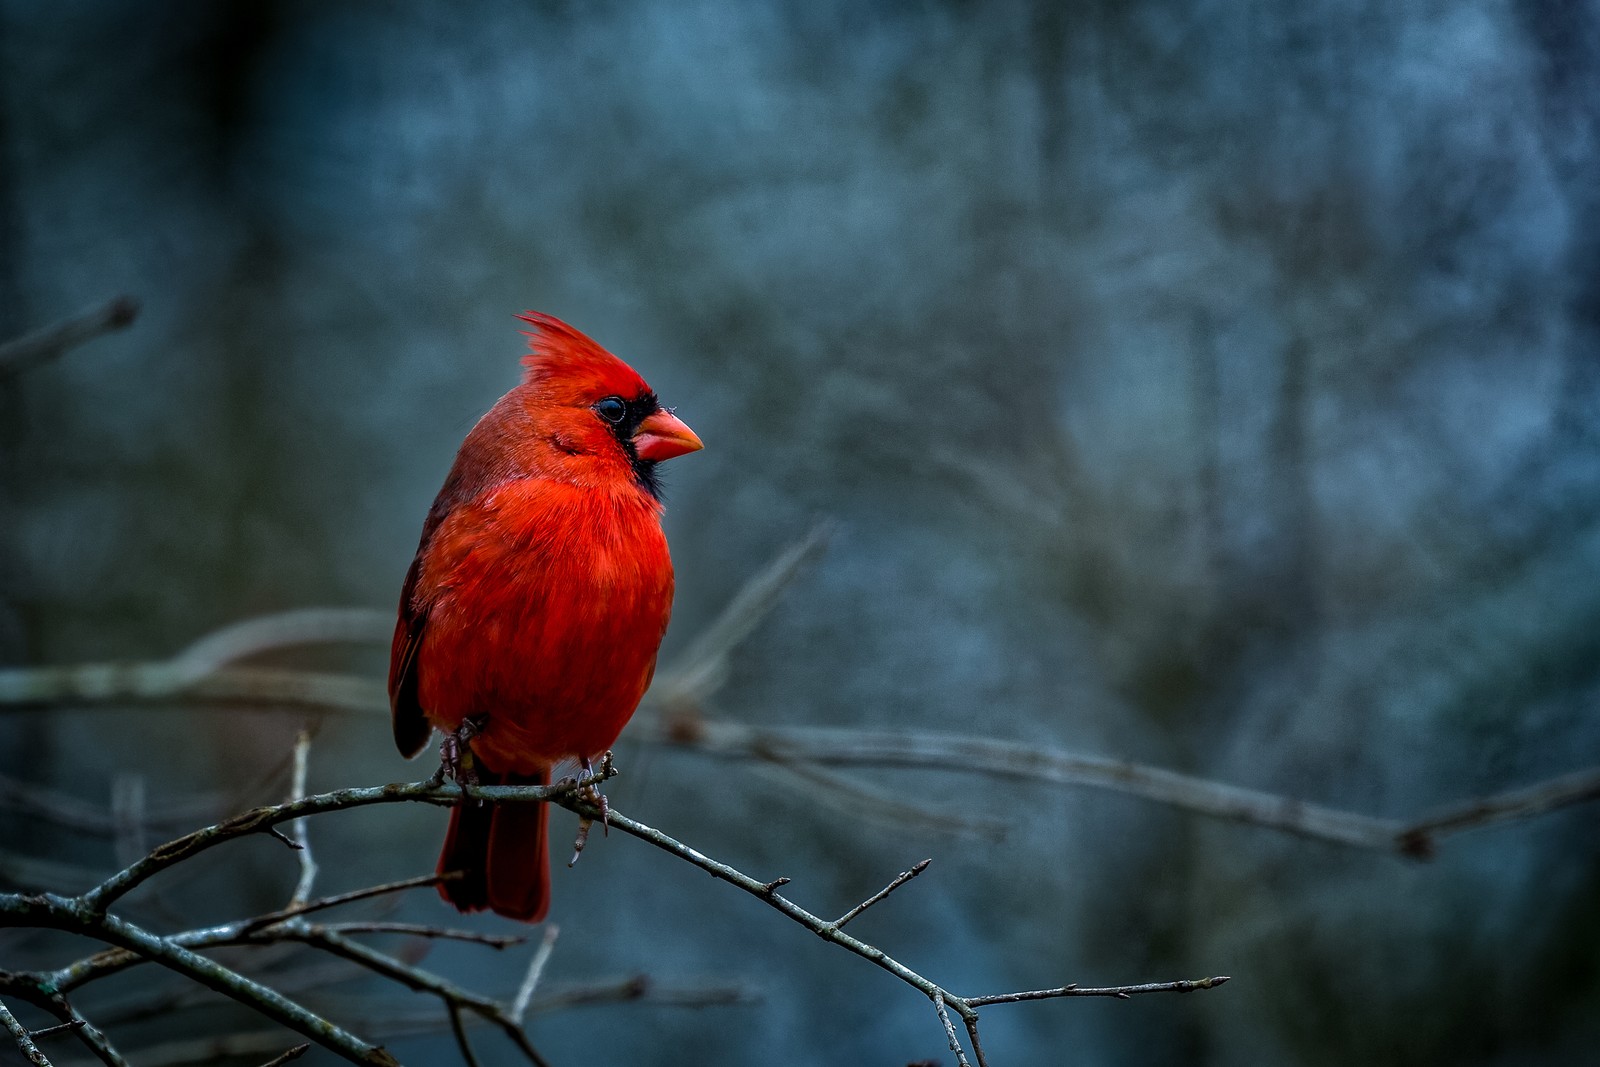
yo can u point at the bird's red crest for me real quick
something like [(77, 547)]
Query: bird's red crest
[(559, 355)]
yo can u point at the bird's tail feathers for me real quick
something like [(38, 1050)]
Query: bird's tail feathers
[(500, 852)]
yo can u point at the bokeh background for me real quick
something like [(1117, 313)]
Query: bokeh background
[(1210, 384)]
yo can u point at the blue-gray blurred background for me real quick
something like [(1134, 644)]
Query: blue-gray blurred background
[(1213, 385)]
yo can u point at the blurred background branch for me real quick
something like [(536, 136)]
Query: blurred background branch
[(201, 676), (42, 345)]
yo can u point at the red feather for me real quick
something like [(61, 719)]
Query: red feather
[(538, 598)]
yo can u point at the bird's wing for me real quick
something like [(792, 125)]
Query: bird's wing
[(480, 465), (411, 726)]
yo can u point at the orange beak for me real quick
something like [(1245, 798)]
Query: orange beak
[(664, 435)]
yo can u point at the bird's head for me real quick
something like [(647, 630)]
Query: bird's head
[(591, 404)]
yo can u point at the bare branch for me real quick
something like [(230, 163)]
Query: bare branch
[(165, 685), (67, 811), (1419, 837), (640, 987), (42, 345), (991, 758), (900, 880), (949, 1029), (19, 1034), (455, 997), (288, 629), (703, 668), (530, 981), (74, 915), (56, 1003), (437, 933), (86, 914), (210, 1050), (459, 1029), (1120, 992), (257, 820), (128, 816), (292, 1054), (117, 685), (766, 891), (347, 898), (977, 1045), (297, 789), (856, 798)]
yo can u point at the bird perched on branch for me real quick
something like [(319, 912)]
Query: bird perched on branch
[(531, 615)]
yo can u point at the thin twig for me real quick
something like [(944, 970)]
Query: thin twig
[(703, 667), (323, 903), (1522, 803), (990, 758), (949, 1029), (640, 987), (457, 1028), (829, 931), (530, 981), (56, 1003), (436, 933), (900, 880), (288, 1056), (42, 345), (977, 1044), (856, 798), (207, 1051), (452, 994), (67, 811), (297, 789), (285, 629), (128, 817), (19, 1034), (49, 910), (1120, 992), (251, 931), (86, 914)]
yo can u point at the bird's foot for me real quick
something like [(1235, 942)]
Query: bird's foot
[(455, 752), (587, 787), (591, 782)]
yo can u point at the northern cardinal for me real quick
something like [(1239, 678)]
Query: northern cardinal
[(537, 599)]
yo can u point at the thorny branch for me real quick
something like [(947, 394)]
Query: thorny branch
[(87, 914)]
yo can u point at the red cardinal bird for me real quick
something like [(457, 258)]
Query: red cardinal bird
[(537, 599)]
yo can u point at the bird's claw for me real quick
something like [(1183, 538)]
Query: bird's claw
[(584, 822)]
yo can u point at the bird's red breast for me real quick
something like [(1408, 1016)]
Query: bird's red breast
[(542, 585)]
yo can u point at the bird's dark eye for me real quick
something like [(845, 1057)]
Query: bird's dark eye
[(612, 409)]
